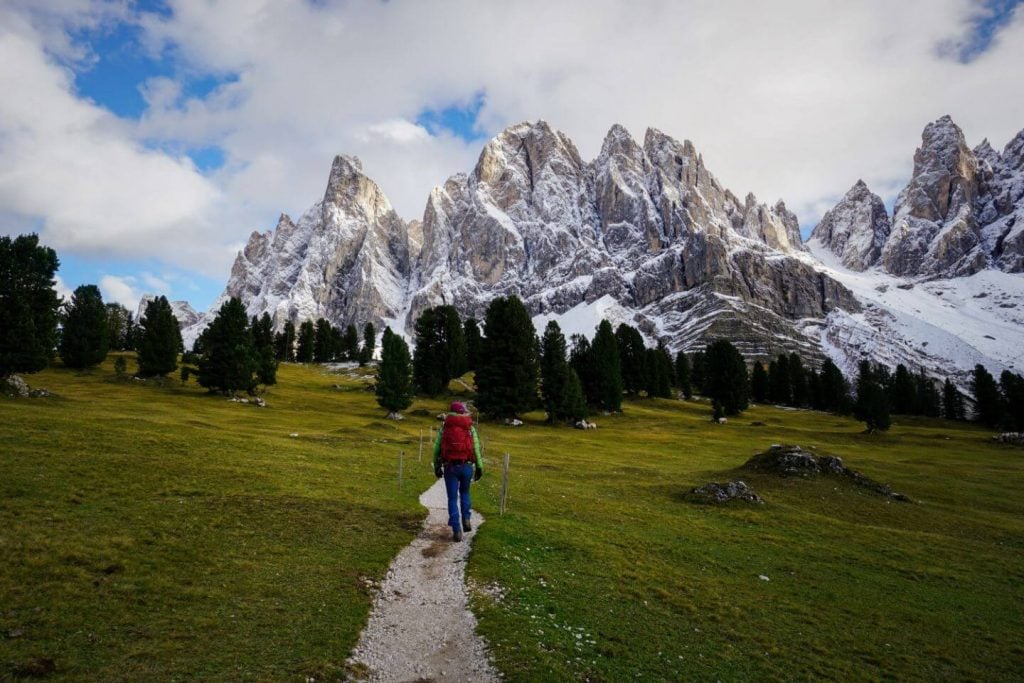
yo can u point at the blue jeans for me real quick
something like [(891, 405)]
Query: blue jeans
[(457, 478)]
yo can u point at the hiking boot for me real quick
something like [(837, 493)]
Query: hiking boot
[(466, 524), (457, 535)]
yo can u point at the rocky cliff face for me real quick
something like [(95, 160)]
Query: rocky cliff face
[(855, 229), (1000, 207), (648, 232), (639, 224), (934, 229), (959, 214), (346, 259)]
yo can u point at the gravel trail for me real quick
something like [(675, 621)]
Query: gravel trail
[(420, 628)]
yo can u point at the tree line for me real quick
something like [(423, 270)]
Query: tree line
[(516, 371)]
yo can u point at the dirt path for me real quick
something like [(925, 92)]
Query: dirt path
[(421, 628)]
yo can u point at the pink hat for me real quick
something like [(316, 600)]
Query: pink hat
[(458, 407)]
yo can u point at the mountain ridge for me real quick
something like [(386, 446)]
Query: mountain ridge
[(647, 227)]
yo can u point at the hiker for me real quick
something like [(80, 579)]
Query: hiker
[(457, 459)]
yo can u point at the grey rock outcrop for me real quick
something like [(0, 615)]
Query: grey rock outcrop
[(856, 228), (648, 226), (934, 229), (714, 493), (961, 212), (1000, 207), (346, 259)]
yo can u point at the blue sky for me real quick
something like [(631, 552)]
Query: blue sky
[(186, 125)]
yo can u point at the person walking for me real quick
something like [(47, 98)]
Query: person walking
[(457, 459)]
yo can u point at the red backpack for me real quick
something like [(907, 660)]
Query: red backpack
[(457, 439)]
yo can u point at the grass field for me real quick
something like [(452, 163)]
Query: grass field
[(159, 532)]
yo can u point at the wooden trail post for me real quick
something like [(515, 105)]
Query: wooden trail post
[(504, 486), (420, 457), (401, 463)]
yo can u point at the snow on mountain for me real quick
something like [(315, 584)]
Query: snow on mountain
[(945, 325), (646, 234), (855, 229)]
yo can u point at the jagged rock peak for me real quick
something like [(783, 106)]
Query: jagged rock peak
[(531, 146), (934, 228), (856, 228)]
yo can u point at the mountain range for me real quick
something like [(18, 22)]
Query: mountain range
[(646, 234)]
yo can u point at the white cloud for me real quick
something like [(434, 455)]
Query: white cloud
[(120, 289), (96, 188), (61, 288), (791, 99)]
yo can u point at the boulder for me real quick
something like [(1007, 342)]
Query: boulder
[(794, 461), (1013, 438), (15, 386), (714, 493)]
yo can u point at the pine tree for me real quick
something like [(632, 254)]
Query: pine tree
[(307, 342), (952, 402), (666, 371), (797, 381), (902, 392), (554, 372), (394, 374), (29, 306), (632, 359), (780, 388), (350, 344), (929, 403), (119, 321), (814, 396), (474, 342), (369, 344), (85, 338), (574, 405), (759, 383), (1012, 386), (263, 340), (160, 339), (607, 371), (430, 359), (658, 372), (988, 409), (506, 379), (323, 348), (683, 375), (455, 342), (835, 390), (697, 374), (581, 360), (727, 384), (229, 361), (872, 406), (284, 343)]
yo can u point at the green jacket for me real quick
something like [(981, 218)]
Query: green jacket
[(476, 448)]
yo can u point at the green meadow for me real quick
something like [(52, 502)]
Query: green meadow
[(161, 533)]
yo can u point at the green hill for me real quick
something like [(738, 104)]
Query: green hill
[(161, 532)]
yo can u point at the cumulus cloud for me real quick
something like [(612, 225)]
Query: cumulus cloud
[(97, 189), (793, 99), (120, 289)]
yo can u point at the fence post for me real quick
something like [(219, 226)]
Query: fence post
[(504, 486), (401, 464)]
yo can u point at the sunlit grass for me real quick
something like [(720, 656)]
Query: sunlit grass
[(163, 533)]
